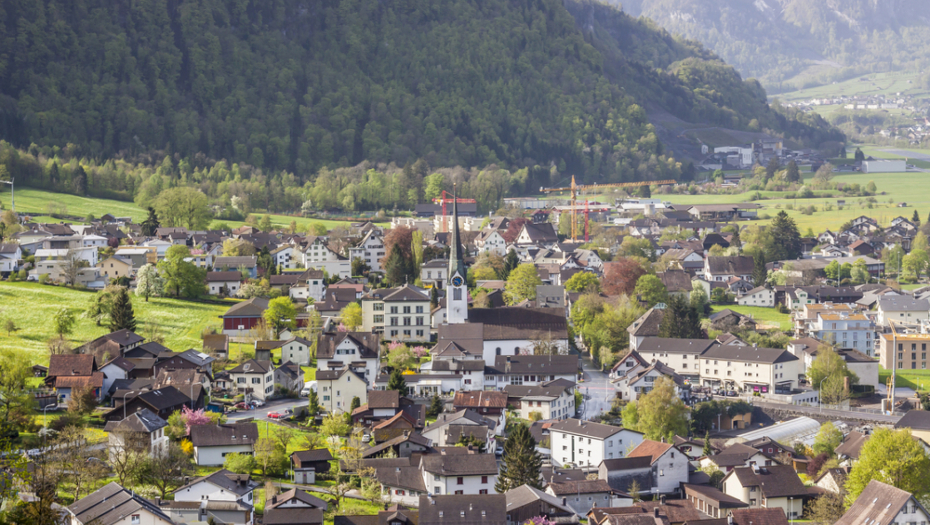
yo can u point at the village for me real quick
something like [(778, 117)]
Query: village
[(562, 363)]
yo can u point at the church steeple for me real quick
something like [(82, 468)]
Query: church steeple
[(456, 287), (456, 256)]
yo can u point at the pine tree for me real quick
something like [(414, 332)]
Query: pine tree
[(736, 241), (395, 269), (435, 407), (313, 403), (521, 461), (759, 273), (356, 402), (510, 262), (860, 156), (786, 238), (680, 320), (916, 218), (771, 168), (121, 315), (793, 174), (80, 181), (433, 297), (397, 382), (150, 224), (708, 450)]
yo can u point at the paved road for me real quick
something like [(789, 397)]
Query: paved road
[(597, 389), (911, 155), (261, 413)]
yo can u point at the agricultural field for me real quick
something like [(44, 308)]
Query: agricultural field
[(918, 380), (890, 83), (36, 203), (762, 316), (31, 306)]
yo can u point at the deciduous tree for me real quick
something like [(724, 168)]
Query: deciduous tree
[(893, 457), (521, 284), (351, 316), (280, 314), (185, 207), (650, 290), (148, 282), (181, 277), (621, 275)]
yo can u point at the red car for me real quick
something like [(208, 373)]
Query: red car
[(274, 415)]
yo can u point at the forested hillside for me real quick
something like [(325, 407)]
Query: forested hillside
[(796, 43), (328, 99)]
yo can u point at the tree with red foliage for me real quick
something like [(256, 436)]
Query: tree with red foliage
[(816, 463), (400, 237), (620, 276), (113, 242), (513, 230)]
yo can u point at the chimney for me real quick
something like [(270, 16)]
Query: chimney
[(729, 519), (564, 501), (274, 499), (655, 512), (662, 499)]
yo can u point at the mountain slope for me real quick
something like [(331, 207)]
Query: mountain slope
[(793, 43), (301, 85)]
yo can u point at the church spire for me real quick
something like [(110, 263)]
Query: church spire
[(456, 256)]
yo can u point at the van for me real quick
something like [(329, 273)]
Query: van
[(308, 386)]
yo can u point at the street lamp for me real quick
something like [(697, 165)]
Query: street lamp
[(124, 402)]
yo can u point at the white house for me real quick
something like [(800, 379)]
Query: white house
[(212, 443), (401, 314), (370, 250), (722, 269), (10, 255), (881, 504), (491, 241), (758, 296), (434, 272), (530, 370), (669, 465), (586, 444), (552, 399), (254, 378), (902, 309), (141, 431), (337, 388), (223, 495), (459, 473), (114, 505), (750, 369), (775, 486), (116, 368), (337, 350), (296, 350)]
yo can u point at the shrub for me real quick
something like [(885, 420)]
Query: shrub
[(43, 279)]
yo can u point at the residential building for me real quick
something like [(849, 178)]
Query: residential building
[(212, 443), (581, 496), (883, 504), (905, 350), (244, 316), (114, 505), (254, 378), (750, 369), (711, 501), (247, 264), (293, 507), (681, 355), (584, 443), (222, 496), (635, 384), (162, 401), (526, 502), (551, 399), (226, 283), (401, 314), (434, 273), (307, 463), (905, 309), (114, 267), (530, 370), (289, 376), (338, 387), (69, 371), (758, 296), (490, 509), (10, 257), (776, 486), (846, 330), (370, 250), (736, 456), (336, 350), (722, 269), (459, 473), (669, 465), (448, 428), (141, 431), (918, 421), (488, 403)]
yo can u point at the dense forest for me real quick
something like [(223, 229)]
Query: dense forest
[(281, 101), (789, 44)]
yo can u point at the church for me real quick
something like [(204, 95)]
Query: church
[(484, 333)]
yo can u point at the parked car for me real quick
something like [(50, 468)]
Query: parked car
[(731, 393), (258, 403), (274, 415), (499, 450)]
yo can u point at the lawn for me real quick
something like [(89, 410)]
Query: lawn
[(35, 202), (915, 379), (31, 306), (762, 315)]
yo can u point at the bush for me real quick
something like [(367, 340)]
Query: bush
[(44, 278)]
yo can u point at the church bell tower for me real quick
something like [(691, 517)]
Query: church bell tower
[(456, 285)]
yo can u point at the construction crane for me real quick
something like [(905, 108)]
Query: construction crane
[(577, 188), (444, 200), (888, 404)]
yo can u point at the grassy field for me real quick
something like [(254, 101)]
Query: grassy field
[(905, 82), (31, 306), (916, 379), (35, 203), (762, 315)]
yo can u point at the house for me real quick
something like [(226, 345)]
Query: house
[(775, 486), (212, 443), (247, 264), (116, 368), (244, 316), (909, 354), (530, 370), (114, 267), (526, 502), (223, 496), (631, 363), (226, 283), (726, 320), (647, 325), (551, 399), (902, 309), (621, 473), (488, 509), (216, 345), (10, 256), (758, 296), (750, 368), (401, 314), (402, 446), (141, 431), (681, 355), (114, 505), (308, 462), (669, 465), (735, 456), (449, 428), (711, 501), (370, 250), (254, 378), (582, 495), (338, 387), (486, 402), (163, 402), (289, 376), (434, 273), (491, 241), (459, 473), (919, 423), (67, 372), (832, 479), (677, 282), (394, 515), (845, 329), (543, 234), (722, 269), (584, 443), (386, 405), (293, 507), (635, 384), (848, 451), (336, 350), (883, 504)]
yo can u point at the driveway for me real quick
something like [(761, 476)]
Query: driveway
[(597, 390)]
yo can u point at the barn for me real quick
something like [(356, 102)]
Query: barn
[(244, 316)]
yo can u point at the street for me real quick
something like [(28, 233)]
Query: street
[(261, 413), (597, 390)]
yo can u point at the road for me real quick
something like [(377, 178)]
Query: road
[(597, 389), (261, 413), (815, 412)]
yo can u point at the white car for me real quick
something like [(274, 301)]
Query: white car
[(258, 403)]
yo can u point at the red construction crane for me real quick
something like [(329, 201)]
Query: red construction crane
[(443, 200)]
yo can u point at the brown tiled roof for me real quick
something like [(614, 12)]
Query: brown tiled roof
[(650, 449), (587, 486), (480, 398), (368, 343), (460, 465), (774, 481), (759, 516), (71, 365), (484, 509), (852, 444), (311, 456), (878, 504), (383, 399), (221, 435), (677, 511), (95, 380)]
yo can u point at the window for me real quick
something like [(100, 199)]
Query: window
[(325, 398), (135, 519), (406, 309), (419, 309), (460, 481), (483, 491), (393, 309), (256, 380), (379, 318), (241, 380), (484, 479), (456, 294), (379, 307)]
